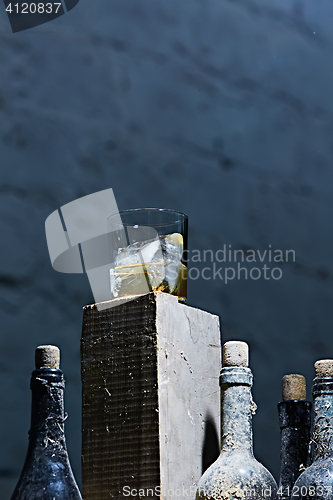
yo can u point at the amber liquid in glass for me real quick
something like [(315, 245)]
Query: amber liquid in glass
[(137, 279)]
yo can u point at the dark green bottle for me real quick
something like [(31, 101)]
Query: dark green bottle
[(47, 474), (316, 482), (295, 422)]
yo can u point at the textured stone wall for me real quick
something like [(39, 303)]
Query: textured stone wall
[(220, 108)]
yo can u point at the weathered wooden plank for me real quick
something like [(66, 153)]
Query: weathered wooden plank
[(150, 372)]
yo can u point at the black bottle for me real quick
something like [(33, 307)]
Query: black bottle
[(47, 474), (295, 423), (316, 482), (236, 474)]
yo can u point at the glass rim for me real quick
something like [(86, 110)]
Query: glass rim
[(183, 218)]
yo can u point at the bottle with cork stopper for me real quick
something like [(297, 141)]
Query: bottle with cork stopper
[(47, 474), (295, 423), (316, 482), (236, 474)]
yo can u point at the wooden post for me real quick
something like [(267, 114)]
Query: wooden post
[(151, 398)]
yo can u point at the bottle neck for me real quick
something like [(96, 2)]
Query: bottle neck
[(47, 409), (322, 435), (295, 423), (294, 414), (237, 407)]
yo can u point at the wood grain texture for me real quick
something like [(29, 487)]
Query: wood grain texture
[(150, 372)]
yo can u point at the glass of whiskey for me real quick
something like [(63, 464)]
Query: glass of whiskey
[(148, 248)]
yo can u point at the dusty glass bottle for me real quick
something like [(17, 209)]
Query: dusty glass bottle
[(316, 482), (236, 474), (295, 423), (47, 474)]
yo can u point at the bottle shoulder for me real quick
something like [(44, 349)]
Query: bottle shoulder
[(50, 479), (316, 482), (48, 471), (319, 471), (236, 475), (52, 490)]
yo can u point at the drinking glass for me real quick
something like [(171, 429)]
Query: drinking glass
[(148, 249)]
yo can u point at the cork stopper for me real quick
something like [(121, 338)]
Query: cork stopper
[(324, 368), (47, 356), (293, 387), (235, 353)]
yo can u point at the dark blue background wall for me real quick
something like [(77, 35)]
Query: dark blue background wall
[(221, 109)]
